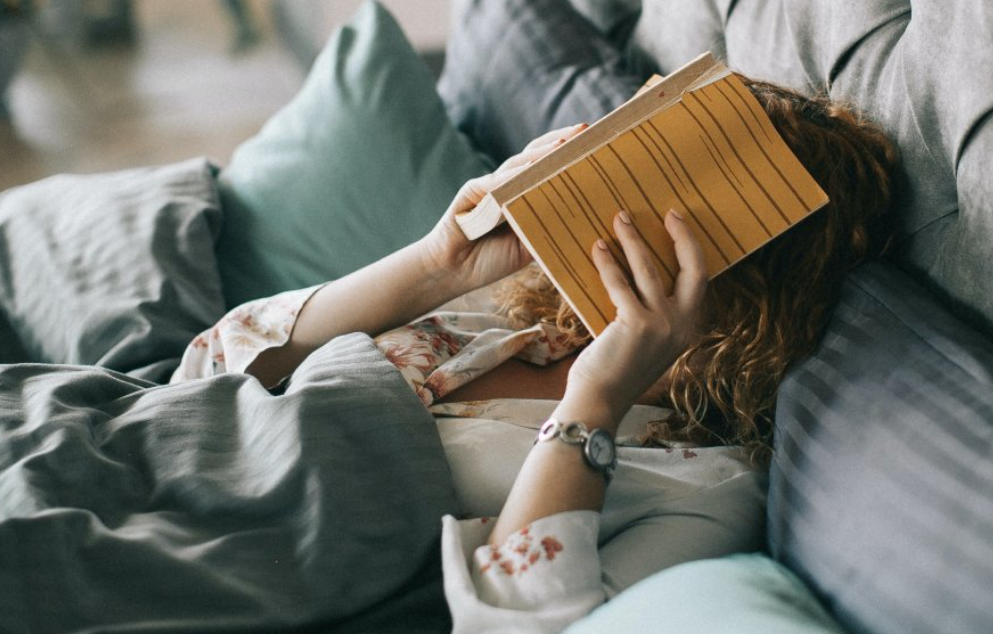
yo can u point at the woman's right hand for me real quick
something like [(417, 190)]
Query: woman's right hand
[(651, 330), (476, 263)]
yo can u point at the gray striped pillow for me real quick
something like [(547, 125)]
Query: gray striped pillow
[(116, 270), (515, 69), (881, 491)]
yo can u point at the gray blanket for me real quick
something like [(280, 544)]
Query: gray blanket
[(214, 506)]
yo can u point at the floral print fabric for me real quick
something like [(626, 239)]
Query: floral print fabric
[(436, 354), (708, 501), (240, 336), (542, 578), (446, 350)]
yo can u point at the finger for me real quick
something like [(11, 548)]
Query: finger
[(648, 277), (531, 154), (476, 189), (561, 133), (542, 145), (614, 279), (691, 282)]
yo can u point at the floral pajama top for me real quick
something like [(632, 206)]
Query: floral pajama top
[(664, 506)]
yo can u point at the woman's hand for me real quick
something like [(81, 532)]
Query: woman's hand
[(476, 263), (650, 331)]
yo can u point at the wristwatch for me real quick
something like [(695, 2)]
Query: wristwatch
[(598, 445)]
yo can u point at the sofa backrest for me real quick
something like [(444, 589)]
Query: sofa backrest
[(920, 68)]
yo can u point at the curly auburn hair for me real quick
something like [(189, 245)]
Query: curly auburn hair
[(771, 309)]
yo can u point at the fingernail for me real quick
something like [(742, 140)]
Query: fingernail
[(625, 218), (602, 244), (560, 142), (676, 214), (581, 126)]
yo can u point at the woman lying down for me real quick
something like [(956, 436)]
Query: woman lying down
[(585, 466)]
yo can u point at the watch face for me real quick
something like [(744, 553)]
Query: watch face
[(600, 448)]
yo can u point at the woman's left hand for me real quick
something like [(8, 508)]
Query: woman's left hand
[(651, 330), (476, 263)]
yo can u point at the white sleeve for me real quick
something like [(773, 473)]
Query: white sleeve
[(234, 342), (541, 579)]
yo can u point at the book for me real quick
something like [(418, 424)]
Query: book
[(697, 141)]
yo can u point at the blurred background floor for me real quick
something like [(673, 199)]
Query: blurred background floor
[(184, 85), (174, 80)]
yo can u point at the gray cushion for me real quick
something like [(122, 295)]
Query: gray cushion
[(881, 493), (11, 350), (613, 18), (515, 69), (920, 68), (116, 270)]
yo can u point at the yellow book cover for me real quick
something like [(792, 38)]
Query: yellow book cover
[(697, 141)]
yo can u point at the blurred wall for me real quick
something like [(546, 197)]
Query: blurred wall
[(305, 25)]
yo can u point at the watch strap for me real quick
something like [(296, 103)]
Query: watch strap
[(576, 433)]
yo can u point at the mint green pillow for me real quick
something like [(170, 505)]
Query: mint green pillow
[(362, 162), (739, 594)]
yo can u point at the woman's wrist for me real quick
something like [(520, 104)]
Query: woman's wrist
[(442, 269), (593, 408)]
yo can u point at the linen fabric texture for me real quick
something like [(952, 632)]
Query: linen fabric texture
[(214, 506), (516, 69), (362, 162), (881, 487), (116, 270)]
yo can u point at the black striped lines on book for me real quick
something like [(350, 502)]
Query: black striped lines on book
[(707, 149)]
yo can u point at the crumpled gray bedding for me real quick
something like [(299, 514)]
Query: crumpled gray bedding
[(215, 506)]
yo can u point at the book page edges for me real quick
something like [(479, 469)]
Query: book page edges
[(700, 72), (481, 219), (715, 73), (653, 81)]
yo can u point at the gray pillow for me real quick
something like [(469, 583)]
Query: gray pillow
[(881, 491), (116, 270), (515, 69), (615, 19)]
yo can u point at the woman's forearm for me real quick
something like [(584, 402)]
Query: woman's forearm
[(418, 278), (555, 477), (382, 296), (651, 329)]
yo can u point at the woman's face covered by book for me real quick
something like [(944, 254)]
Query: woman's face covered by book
[(770, 310)]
